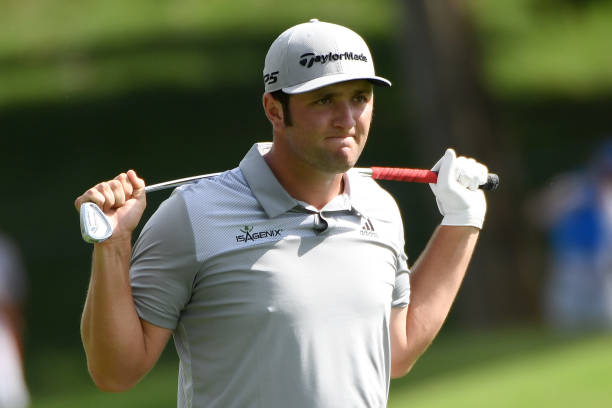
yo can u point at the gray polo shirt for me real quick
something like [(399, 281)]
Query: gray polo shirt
[(273, 303)]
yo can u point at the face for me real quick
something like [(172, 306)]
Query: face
[(329, 126)]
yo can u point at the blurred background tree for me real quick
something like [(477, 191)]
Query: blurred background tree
[(171, 89)]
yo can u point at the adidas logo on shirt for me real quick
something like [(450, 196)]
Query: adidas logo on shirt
[(367, 228)]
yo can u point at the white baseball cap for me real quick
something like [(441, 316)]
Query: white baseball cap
[(312, 55)]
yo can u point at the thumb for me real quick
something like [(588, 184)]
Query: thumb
[(446, 173), (138, 184)]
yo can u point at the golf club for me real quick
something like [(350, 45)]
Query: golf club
[(95, 226)]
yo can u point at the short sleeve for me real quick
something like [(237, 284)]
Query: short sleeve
[(401, 291), (163, 265)]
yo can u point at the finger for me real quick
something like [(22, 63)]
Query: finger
[(109, 196), (468, 182), (471, 174), (466, 175), (91, 195), (447, 174), (137, 183), (482, 173), (125, 185), (118, 193)]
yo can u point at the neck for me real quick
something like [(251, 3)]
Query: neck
[(303, 182)]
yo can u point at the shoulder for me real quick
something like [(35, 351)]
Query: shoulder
[(208, 203), (174, 222), (210, 194), (215, 209), (379, 210), (373, 199)]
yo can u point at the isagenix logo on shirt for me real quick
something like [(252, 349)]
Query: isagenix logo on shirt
[(248, 234)]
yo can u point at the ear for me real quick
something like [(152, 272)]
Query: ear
[(274, 111)]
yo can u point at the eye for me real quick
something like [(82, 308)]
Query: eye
[(361, 98), (323, 101)]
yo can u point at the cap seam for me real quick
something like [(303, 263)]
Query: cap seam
[(286, 67)]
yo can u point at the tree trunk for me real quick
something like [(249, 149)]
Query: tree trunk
[(449, 107)]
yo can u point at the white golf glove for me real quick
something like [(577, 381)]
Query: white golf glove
[(459, 200)]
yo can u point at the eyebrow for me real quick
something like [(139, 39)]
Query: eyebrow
[(365, 90), (359, 91)]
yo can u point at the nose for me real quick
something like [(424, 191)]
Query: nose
[(344, 115)]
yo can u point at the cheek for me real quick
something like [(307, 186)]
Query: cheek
[(308, 123), (365, 119)]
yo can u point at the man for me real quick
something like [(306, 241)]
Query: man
[(283, 281), (13, 389)]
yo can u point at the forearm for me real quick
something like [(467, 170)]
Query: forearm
[(435, 281), (438, 273), (110, 328)]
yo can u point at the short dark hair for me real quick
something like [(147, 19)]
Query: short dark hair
[(283, 98)]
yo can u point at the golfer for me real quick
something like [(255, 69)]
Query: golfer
[(284, 281)]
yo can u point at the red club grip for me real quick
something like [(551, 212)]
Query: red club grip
[(402, 174)]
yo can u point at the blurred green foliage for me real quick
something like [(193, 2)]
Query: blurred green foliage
[(61, 48), (58, 49), (90, 88), (545, 47)]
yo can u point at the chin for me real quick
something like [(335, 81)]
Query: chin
[(336, 161), (342, 166), (348, 157)]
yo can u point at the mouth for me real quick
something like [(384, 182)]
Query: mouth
[(342, 141), (342, 138)]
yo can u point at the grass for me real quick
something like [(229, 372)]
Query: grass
[(503, 368), (60, 380), (510, 368)]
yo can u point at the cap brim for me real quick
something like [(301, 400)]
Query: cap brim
[(334, 79)]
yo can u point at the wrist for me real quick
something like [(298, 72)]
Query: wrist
[(112, 258), (468, 220), (118, 243)]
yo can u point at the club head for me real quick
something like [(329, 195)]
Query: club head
[(95, 226)]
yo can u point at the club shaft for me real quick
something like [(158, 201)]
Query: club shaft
[(90, 224), (378, 173), (178, 182)]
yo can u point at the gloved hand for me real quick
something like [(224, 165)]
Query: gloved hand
[(457, 195)]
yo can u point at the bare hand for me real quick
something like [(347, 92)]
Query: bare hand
[(122, 199)]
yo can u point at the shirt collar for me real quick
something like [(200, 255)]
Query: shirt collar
[(275, 200), (357, 192)]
